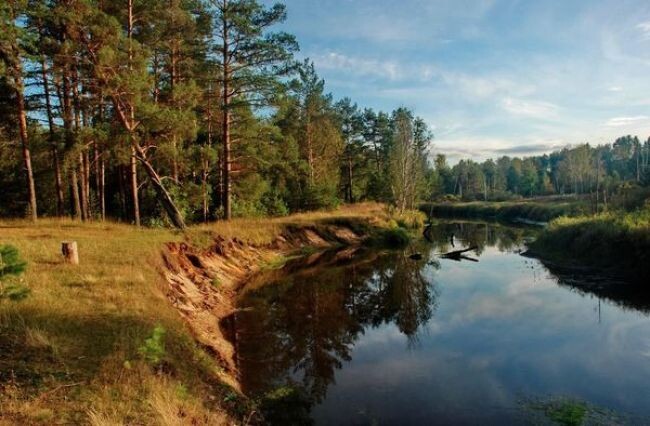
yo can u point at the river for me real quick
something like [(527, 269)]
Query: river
[(376, 337)]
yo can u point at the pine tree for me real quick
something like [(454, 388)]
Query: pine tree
[(250, 59), (108, 48)]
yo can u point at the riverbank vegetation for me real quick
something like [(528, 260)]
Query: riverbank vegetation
[(596, 197), (618, 241), (100, 343), (536, 209)]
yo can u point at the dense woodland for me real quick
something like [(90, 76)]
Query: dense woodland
[(581, 169), (181, 111)]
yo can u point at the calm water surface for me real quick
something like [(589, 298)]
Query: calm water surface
[(379, 338)]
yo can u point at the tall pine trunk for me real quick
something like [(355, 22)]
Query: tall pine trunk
[(17, 73), (168, 204), (133, 175), (58, 179), (66, 105), (24, 139)]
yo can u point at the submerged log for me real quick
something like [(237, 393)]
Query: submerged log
[(70, 252), (458, 254)]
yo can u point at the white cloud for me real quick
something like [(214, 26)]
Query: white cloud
[(625, 121), (482, 148), (615, 89), (486, 87), (644, 27), (387, 69), (532, 109)]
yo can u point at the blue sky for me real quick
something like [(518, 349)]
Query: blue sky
[(491, 77)]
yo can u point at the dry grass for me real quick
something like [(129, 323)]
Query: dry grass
[(69, 352), (264, 231), (66, 348)]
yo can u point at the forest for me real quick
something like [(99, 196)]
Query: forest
[(180, 112), (579, 170), (166, 113)]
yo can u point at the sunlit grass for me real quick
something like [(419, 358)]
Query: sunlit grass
[(71, 350)]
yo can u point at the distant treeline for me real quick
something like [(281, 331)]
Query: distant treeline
[(584, 169), (183, 111)]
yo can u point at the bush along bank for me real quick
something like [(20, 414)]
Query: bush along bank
[(531, 211), (618, 242)]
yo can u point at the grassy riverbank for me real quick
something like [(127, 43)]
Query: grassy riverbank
[(100, 343), (616, 241), (536, 209)]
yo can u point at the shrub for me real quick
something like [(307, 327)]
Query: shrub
[(153, 349), (11, 265), (274, 205), (10, 262)]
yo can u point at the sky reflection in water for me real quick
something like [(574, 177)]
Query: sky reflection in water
[(381, 338)]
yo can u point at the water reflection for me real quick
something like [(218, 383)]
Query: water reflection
[(303, 327), (611, 288), (402, 340), (450, 236)]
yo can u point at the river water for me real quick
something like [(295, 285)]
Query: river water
[(491, 338)]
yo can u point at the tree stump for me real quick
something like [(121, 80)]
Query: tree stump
[(70, 252)]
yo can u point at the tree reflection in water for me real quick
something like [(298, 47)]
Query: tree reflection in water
[(448, 236), (300, 328), (303, 327)]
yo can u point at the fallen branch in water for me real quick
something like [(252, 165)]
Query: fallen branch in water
[(458, 254)]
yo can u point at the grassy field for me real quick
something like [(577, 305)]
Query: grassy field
[(618, 241), (81, 347), (538, 210)]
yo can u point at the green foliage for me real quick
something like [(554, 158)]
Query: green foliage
[(10, 262), (153, 349), (13, 292), (274, 205), (11, 266), (407, 159), (584, 169)]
